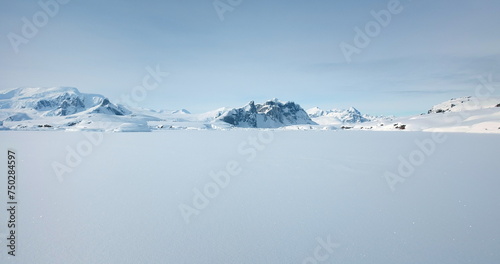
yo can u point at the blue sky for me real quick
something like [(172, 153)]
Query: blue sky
[(429, 52)]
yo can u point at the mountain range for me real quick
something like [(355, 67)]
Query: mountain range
[(66, 108), (28, 103)]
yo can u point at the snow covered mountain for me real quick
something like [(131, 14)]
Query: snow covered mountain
[(271, 114), (465, 114), (181, 111), (65, 108), (341, 116), (28, 103), (465, 104)]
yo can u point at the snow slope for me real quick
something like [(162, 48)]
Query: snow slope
[(465, 104), (468, 114), (120, 203), (55, 101), (65, 108)]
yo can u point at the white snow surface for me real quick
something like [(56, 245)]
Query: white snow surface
[(120, 202)]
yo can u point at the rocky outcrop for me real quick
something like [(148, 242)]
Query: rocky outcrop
[(271, 114)]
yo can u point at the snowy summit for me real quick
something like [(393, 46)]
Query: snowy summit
[(29, 103)]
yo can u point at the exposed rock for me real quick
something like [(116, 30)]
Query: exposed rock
[(271, 114)]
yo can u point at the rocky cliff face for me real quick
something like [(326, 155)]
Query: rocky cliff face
[(270, 114)]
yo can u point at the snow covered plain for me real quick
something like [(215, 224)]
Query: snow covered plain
[(291, 197)]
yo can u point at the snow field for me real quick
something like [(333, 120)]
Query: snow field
[(120, 204)]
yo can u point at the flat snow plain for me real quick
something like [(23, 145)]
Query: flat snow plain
[(294, 197)]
